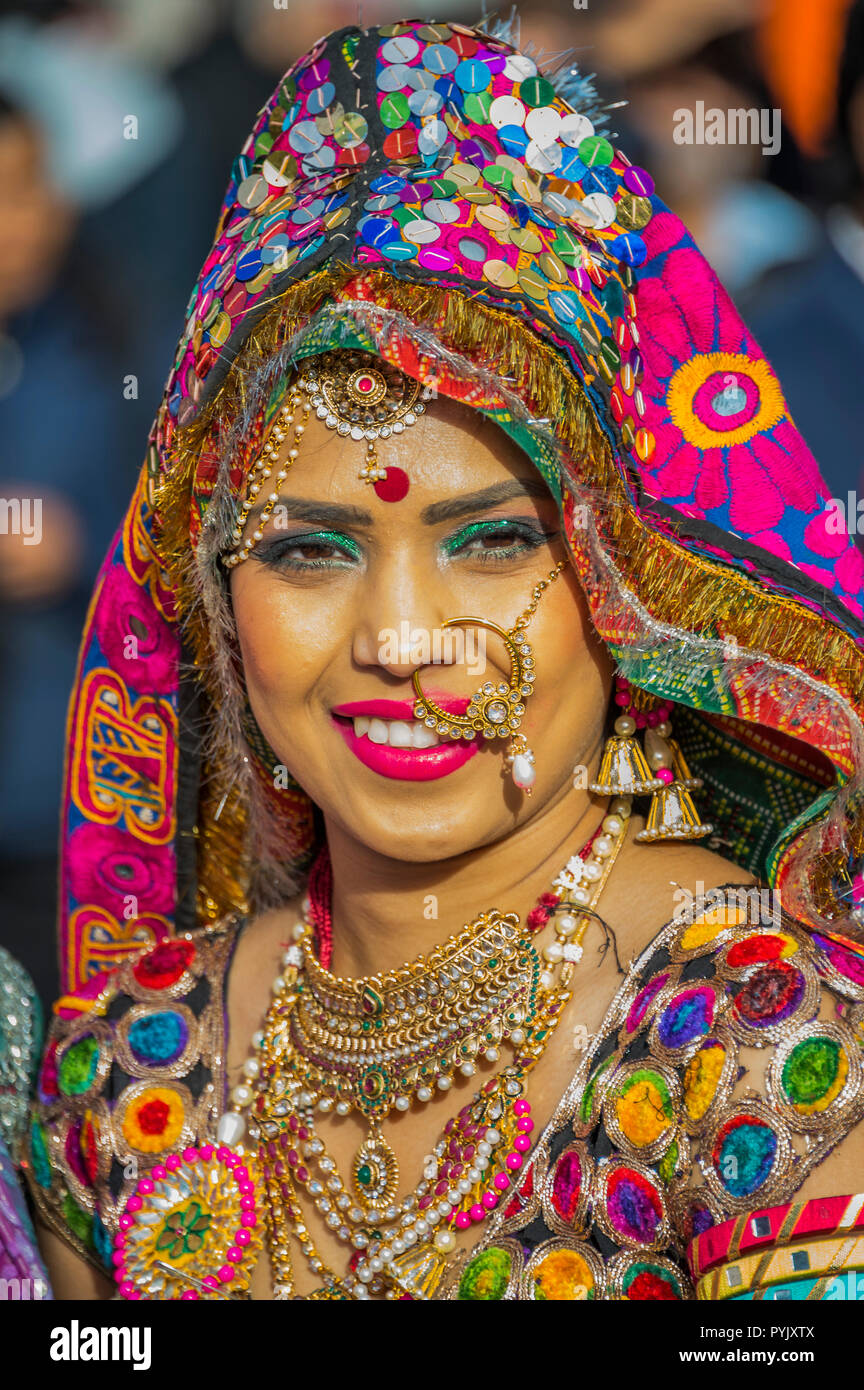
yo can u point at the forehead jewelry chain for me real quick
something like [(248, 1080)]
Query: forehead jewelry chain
[(359, 395), (496, 711), (365, 397), (260, 473)]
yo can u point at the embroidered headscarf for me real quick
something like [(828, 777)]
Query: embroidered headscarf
[(429, 193)]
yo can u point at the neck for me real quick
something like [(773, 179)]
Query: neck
[(388, 911)]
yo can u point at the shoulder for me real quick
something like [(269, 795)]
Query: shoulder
[(132, 1069), (652, 882)]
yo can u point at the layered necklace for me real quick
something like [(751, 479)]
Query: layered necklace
[(386, 1042)]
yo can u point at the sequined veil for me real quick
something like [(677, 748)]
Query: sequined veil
[(428, 193)]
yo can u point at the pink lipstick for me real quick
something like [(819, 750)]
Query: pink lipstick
[(404, 764)]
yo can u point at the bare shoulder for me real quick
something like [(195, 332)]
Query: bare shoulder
[(652, 881)]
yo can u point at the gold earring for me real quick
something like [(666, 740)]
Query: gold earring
[(496, 711), (661, 769)]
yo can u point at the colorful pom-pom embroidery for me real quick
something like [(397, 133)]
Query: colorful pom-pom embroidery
[(158, 1039), (78, 1067), (164, 965), (153, 1119)]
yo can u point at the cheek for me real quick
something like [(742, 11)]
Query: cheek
[(283, 649)]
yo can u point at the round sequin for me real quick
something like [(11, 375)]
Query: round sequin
[(629, 249), (494, 218), (507, 111), (403, 49), (543, 124), (439, 58), (638, 181), (431, 137), (421, 231), (320, 99), (600, 208), (304, 137), (472, 75), (352, 131), (394, 110), (253, 191), (393, 78), (536, 91), (633, 213), (500, 273), (574, 129), (544, 158), (436, 258), (514, 139), (425, 104), (441, 210), (594, 149)]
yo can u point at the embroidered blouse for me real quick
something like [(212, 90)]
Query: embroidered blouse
[(665, 1172)]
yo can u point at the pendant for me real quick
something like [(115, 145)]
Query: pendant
[(418, 1271), (375, 1172)]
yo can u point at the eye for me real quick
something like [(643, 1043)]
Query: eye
[(501, 539), (308, 550)]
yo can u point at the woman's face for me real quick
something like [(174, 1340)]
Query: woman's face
[(344, 598)]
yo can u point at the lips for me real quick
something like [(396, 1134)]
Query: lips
[(356, 719)]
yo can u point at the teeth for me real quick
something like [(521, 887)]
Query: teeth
[(398, 733)]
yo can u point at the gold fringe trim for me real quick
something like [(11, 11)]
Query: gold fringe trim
[(677, 587)]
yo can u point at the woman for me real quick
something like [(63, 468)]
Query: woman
[(457, 391)]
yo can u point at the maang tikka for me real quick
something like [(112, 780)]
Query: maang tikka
[(495, 710), (661, 769), (358, 395)]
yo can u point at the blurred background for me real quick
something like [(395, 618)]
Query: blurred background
[(119, 121)]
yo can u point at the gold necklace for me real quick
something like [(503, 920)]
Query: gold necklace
[(288, 1106)]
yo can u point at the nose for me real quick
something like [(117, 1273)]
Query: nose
[(402, 609)]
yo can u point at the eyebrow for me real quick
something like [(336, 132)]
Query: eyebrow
[(335, 514)]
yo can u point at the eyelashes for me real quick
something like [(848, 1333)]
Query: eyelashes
[(497, 541)]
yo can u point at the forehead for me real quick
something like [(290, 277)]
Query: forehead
[(451, 448)]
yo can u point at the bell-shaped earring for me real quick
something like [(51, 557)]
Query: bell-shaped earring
[(672, 814), (624, 769)]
